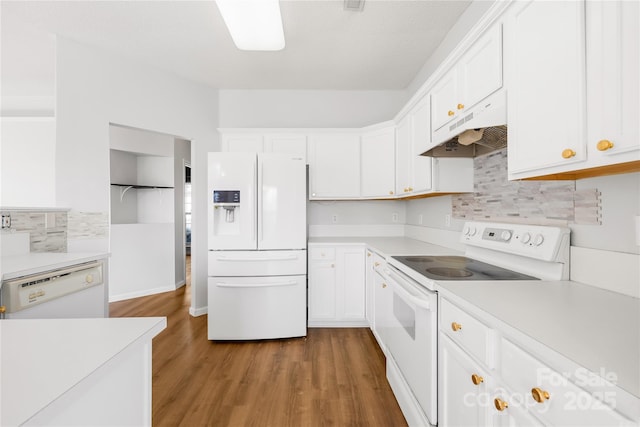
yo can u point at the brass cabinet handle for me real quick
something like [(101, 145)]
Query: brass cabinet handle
[(384, 285), (456, 326), (410, 188), (500, 404), (476, 379), (376, 264), (2, 309), (604, 145), (539, 395), (460, 106), (368, 253), (391, 192), (450, 113), (568, 153)]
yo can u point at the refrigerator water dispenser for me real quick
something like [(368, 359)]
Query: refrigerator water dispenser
[(225, 204)]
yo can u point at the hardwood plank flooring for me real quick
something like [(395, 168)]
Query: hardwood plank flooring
[(332, 377)]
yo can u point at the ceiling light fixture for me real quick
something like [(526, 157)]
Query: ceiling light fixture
[(253, 24)]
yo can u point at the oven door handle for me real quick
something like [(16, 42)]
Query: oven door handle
[(397, 282)]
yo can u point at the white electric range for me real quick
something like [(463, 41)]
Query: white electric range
[(493, 252)]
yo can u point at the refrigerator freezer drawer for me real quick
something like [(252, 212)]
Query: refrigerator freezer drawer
[(248, 308), (257, 263)]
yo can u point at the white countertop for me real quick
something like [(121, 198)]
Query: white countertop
[(595, 328), (389, 246), (42, 359), (13, 266)]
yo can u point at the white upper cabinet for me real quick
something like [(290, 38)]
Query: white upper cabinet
[(334, 165), (286, 143), (573, 101), (378, 163), (546, 85), (613, 89), (413, 172), (421, 179), (243, 142), (473, 78), (443, 99), (403, 156)]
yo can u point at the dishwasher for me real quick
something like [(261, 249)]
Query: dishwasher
[(77, 291)]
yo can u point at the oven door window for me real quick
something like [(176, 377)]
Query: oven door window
[(405, 315)]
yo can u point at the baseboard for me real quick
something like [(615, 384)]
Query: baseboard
[(200, 311), (138, 294), (338, 324)]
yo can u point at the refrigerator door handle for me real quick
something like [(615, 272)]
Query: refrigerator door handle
[(256, 285), (260, 200), (269, 258)]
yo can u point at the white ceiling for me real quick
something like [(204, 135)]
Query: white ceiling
[(381, 48)]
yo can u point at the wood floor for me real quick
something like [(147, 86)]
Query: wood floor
[(333, 377)]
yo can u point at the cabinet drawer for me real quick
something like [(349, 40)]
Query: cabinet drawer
[(466, 331), (322, 253), (562, 401)]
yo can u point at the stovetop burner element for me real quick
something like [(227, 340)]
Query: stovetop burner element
[(459, 268)]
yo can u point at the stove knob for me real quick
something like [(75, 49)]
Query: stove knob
[(473, 231), (505, 235), (526, 238), (466, 230), (538, 239)]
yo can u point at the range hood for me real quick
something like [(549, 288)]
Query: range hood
[(479, 131)]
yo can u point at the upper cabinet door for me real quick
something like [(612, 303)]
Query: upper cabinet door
[(334, 165), (378, 163), (403, 156), (421, 126), (444, 96), (480, 69), (243, 142), (286, 143), (545, 65), (613, 72)]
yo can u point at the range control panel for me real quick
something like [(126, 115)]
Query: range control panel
[(534, 241)]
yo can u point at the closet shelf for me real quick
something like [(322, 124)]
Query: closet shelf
[(127, 187)]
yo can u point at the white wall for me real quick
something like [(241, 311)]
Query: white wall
[(307, 108), (182, 155), (467, 20), (95, 88), (27, 165)]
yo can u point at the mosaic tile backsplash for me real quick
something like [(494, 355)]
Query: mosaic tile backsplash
[(536, 202), (47, 230)]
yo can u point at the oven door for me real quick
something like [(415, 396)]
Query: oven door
[(412, 339)]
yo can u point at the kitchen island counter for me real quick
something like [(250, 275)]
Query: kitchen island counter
[(77, 371)]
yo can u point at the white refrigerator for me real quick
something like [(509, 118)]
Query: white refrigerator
[(257, 284)]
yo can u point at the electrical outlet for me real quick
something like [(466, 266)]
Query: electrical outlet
[(420, 219), (6, 221), (447, 220), (394, 217), (334, 218)]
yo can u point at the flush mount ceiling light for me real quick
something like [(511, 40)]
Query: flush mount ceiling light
[(253, 24)]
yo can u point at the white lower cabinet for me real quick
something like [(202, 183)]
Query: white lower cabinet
[(486, 376), (337, 285), (462, 390)]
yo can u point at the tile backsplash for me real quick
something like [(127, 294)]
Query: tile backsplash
[(47, 229), (536, 202)]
